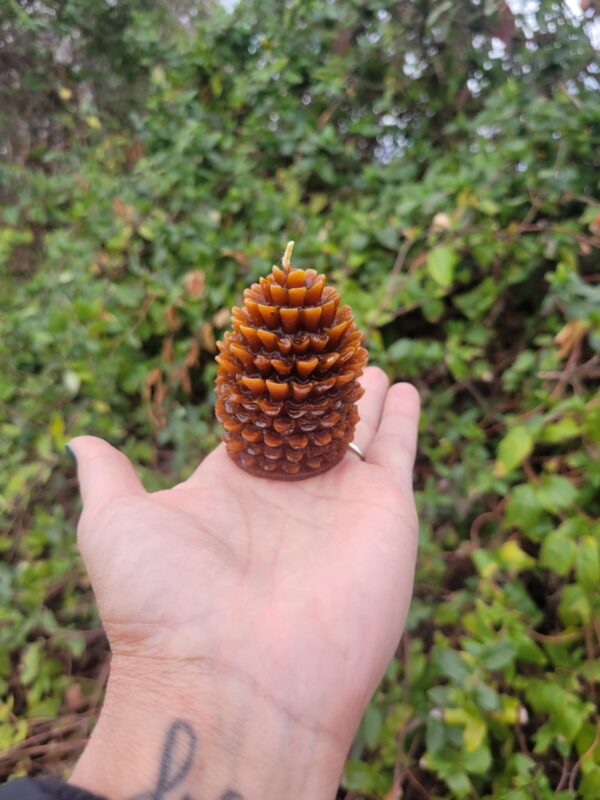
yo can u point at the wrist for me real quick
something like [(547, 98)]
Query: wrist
[(198, 730)]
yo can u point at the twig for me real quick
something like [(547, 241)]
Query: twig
[(416, 783), (44, 749), (401, 257), (145, 307), (583, 758), (555, 637), (58, 730), (585, 370), (542, 227), (563, 776), (522, 741), (392, 280), (486, 516), (476, 394), (573, 777), (530, 472)]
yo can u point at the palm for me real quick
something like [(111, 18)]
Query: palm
[(298, 588)]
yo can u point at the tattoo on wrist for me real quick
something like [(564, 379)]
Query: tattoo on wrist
[(176, 760)]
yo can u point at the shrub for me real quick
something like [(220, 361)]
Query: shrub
[(439, 162)]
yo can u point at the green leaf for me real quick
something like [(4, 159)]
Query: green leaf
[(458, 781), (566, 428), (372, 724), (440, 265), (474, 733), (456, 716), (478, 761), (556, 492), (587, 564), (528, 650), (513, 450), (31, 663), (574, 607), (487, 698), (145, 230), (591, 671), (485, 562), (557, 552), (497, 655), (512, 555), (589, 788), (524, 510), (12, 734), (452, 665), (435, 737), (360, 777), (389, 237)]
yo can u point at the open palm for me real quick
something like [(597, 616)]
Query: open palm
[(296, 592)]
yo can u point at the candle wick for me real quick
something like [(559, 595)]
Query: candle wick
[(287, 256)]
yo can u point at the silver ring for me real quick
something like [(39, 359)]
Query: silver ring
[(356, 449)]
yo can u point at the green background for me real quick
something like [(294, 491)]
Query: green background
[(440, 162)]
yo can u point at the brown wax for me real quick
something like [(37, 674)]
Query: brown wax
[(287, 378)]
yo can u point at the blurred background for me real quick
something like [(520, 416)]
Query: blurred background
[(440, 162)]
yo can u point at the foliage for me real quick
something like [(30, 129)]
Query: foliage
[(443, 155)]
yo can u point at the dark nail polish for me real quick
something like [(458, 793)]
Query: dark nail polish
[(70, 453)]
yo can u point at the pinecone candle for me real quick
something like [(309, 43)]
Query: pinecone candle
[(287, 378)]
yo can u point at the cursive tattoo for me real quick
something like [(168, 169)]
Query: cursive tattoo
[(177, 757)]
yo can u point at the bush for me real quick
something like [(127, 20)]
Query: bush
[(440, 163)]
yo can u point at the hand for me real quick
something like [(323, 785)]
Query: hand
[(261, 613)]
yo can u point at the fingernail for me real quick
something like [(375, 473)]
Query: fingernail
[(70, 453)]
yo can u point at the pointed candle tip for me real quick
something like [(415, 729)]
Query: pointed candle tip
[(287, 256)]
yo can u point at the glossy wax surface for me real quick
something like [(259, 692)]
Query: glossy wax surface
[(287, 378)]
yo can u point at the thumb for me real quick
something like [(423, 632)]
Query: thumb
[(104, 472)]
